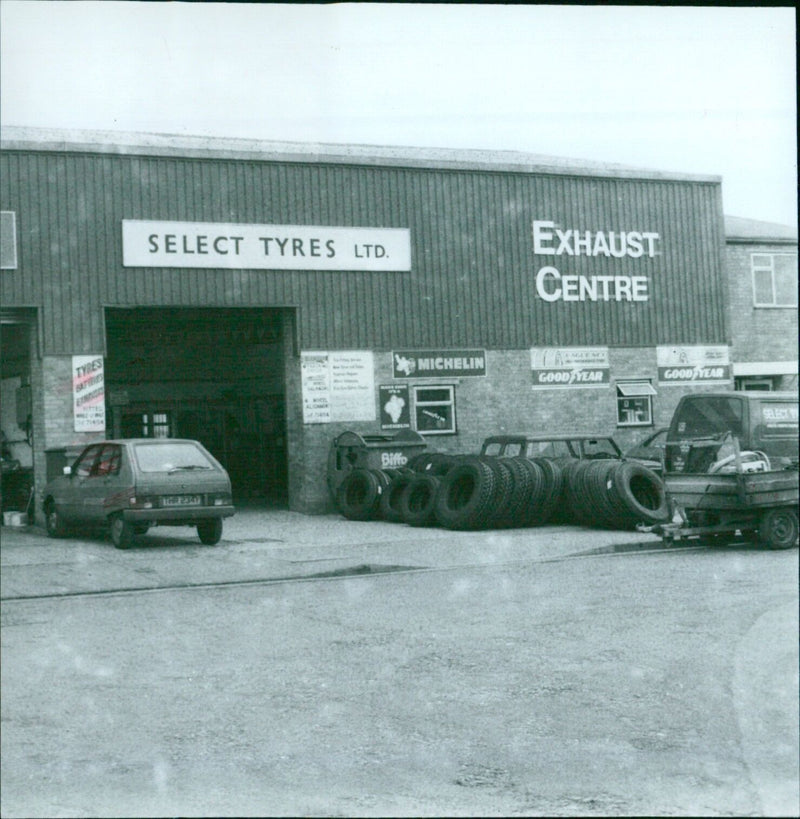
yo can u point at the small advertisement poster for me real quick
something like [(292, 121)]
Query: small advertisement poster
[(394, 406), (562, 367), (337, 386), (699, 364), (316, 383), (88, 393)]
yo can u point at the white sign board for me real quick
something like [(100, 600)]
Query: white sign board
[(88, 393), (264, 247), (337, 386), (693, 364), (559, 367)]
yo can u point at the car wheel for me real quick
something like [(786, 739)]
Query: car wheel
[(778, 528), (210, 531), (53, 521), (121, 532)]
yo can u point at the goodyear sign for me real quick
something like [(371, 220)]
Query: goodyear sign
[(693, 364), (562, 367)]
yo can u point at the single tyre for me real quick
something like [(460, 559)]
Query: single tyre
[(778, 528), (641, 493), (122, 533), (53, 521), (549, 495), (391, 497), (210, 531), (497, 516), (359, 495), (604, 510), (523, 483), (554, 505), (466, 494), (576, 495), (418, 501)]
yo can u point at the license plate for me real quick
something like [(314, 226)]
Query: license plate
[(181, 500)]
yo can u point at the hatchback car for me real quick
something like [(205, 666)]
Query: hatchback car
[(130, 485)]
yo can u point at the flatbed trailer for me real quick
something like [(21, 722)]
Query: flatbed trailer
[(762, 506)]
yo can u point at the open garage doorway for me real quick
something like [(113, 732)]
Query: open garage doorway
[(212, 374), (17, 335)]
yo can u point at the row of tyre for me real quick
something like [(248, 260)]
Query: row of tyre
[(485, 492)]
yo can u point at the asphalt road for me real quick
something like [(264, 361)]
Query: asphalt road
[(649, 683)]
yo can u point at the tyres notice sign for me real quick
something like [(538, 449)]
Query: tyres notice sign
[(88, 393), (563, 367)]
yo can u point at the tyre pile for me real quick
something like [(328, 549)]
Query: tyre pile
[(485, 492)]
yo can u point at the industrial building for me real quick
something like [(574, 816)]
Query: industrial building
[(264, 297)]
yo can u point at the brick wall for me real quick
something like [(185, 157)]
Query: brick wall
[(503, 401)]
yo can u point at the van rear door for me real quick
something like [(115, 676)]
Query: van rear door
[(699, 427), (775, 429)]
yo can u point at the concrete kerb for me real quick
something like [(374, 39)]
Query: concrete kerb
[(271, 545)]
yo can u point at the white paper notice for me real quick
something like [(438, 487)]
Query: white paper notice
[(338, 386)]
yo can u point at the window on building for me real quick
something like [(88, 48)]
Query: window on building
[(435, 410), (146, 425), (635, 403), (774, 279), (746, 383)]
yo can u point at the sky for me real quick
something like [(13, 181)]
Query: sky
[(705, 90)]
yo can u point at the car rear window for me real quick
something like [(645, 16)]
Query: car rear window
[(551, 449), (709, 416), (592, 447), (167, 457)]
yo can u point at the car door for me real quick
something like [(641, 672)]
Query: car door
[(100, 488), (70, 499)]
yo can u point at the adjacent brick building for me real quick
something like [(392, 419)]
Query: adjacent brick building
[(761, 261)]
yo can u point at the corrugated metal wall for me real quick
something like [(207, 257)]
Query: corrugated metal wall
[(472, 282)]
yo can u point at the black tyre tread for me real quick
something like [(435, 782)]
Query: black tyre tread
[(554, 506), (418, 501), (55, 527), (465, 494), (390, 498), (496, 515), (604, 508), (778, 528), (641, 493), (210, 531), (523, 484), (123, 540), (359, 494)]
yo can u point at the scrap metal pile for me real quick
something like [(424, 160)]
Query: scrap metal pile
[(487, 492)]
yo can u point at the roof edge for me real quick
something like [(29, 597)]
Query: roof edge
[(19, 138)]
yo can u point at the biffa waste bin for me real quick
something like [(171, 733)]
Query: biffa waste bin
[(350, 451)]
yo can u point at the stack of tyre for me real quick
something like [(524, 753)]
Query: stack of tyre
[(485, 492)]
